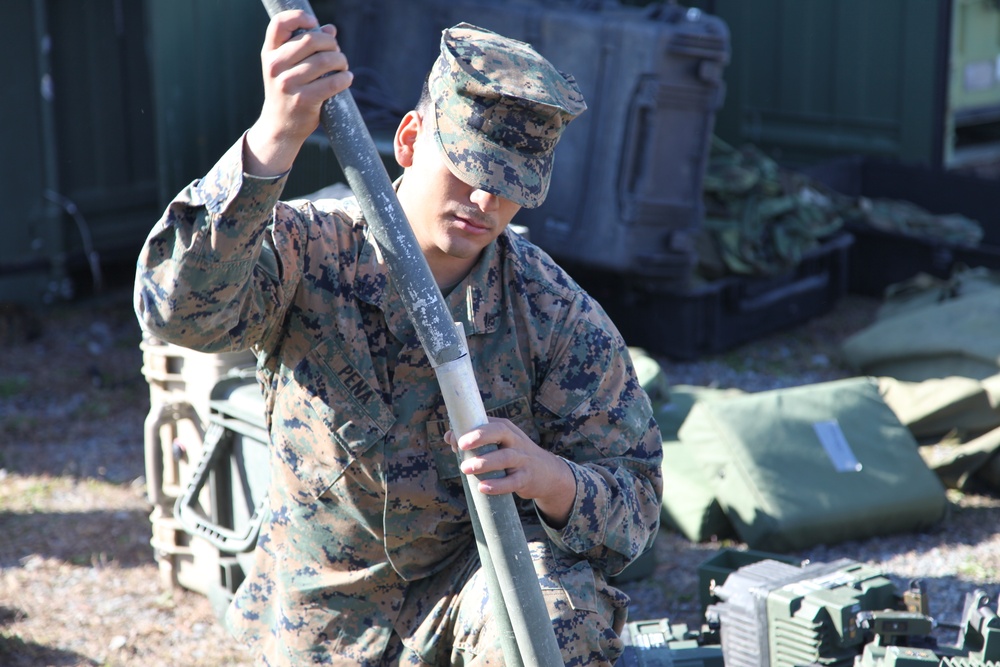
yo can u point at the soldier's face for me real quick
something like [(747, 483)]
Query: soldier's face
[(450, 218)]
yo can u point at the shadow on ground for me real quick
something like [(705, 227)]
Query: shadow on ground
[(15, 652), (90, 538)]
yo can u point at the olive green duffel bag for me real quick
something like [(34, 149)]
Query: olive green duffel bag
[(689, 504), (820, 463)]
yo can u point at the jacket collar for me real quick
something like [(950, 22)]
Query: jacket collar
[(475, 302)]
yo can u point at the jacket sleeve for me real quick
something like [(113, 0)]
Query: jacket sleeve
[(603, 426), (208, 276)]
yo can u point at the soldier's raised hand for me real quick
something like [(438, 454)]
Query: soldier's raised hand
[(302, 66)]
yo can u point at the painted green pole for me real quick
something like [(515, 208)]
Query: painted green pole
[(527, 635)]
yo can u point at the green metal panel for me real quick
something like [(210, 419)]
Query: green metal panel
[(205, 58), (83, 183), (30, 223), (917, 80), (104, 124), (813, 79), (208, 90), (975, 56)]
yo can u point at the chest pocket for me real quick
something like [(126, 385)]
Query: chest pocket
[(517, 411), (326, 415)]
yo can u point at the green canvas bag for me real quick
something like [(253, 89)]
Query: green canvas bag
[(815, 464), (650, 375), (959, 465), (689, 503), (959, 419), (957, 407), (933, 328)]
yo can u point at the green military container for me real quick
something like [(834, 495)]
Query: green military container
[(658, 643), (205, 71), (79, 179), (916, 80), (233, 467), (30, 222), (773, 613)]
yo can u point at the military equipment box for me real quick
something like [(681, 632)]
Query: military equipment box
[(766, 609), (234, 467), (773, 613), (814, 464), (204, 534), (658, 643), (713, 316), (714, 571), (180, 385), (881, 258), (626, 190)]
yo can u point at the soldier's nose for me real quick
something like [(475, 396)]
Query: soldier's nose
[(487, 202)]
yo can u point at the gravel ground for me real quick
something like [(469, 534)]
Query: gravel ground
[(79, 584)]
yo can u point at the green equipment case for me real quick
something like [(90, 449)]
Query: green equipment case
[(912, 80), (658, 643), (233, 466), (773, 613), (767, 610), (814, 464)]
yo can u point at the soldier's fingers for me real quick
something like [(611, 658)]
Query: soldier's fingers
[(314, 47), (284, 25), (449, 438), (497, 430), (490, 459), (496, 486), (474, 438), (315, 70)]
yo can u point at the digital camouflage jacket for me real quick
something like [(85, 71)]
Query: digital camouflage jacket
[(366, 499)]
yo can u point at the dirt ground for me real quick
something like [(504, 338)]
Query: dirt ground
[(79, 584)]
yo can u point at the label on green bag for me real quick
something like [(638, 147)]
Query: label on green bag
[(831, 436)]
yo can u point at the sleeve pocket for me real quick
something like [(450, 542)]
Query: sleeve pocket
[(569, 578), (578, 371)]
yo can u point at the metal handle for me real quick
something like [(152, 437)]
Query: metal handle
[(185, 509)]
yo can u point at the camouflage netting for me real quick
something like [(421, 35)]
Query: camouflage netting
[(760, 218), (903, 217)]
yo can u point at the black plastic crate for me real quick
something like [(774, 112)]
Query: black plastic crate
[(878, 258), (718, 315)]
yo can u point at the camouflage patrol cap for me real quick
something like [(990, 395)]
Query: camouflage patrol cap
[(499, 109)]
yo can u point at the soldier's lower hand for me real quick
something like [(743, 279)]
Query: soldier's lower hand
[(531, 472), (302, 67)]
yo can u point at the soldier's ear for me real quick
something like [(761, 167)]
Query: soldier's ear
[(406, 137)]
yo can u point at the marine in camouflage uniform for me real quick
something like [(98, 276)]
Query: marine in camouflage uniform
[(367, 554)]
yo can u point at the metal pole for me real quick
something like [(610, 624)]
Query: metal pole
[(505, 556), (514, 590)]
